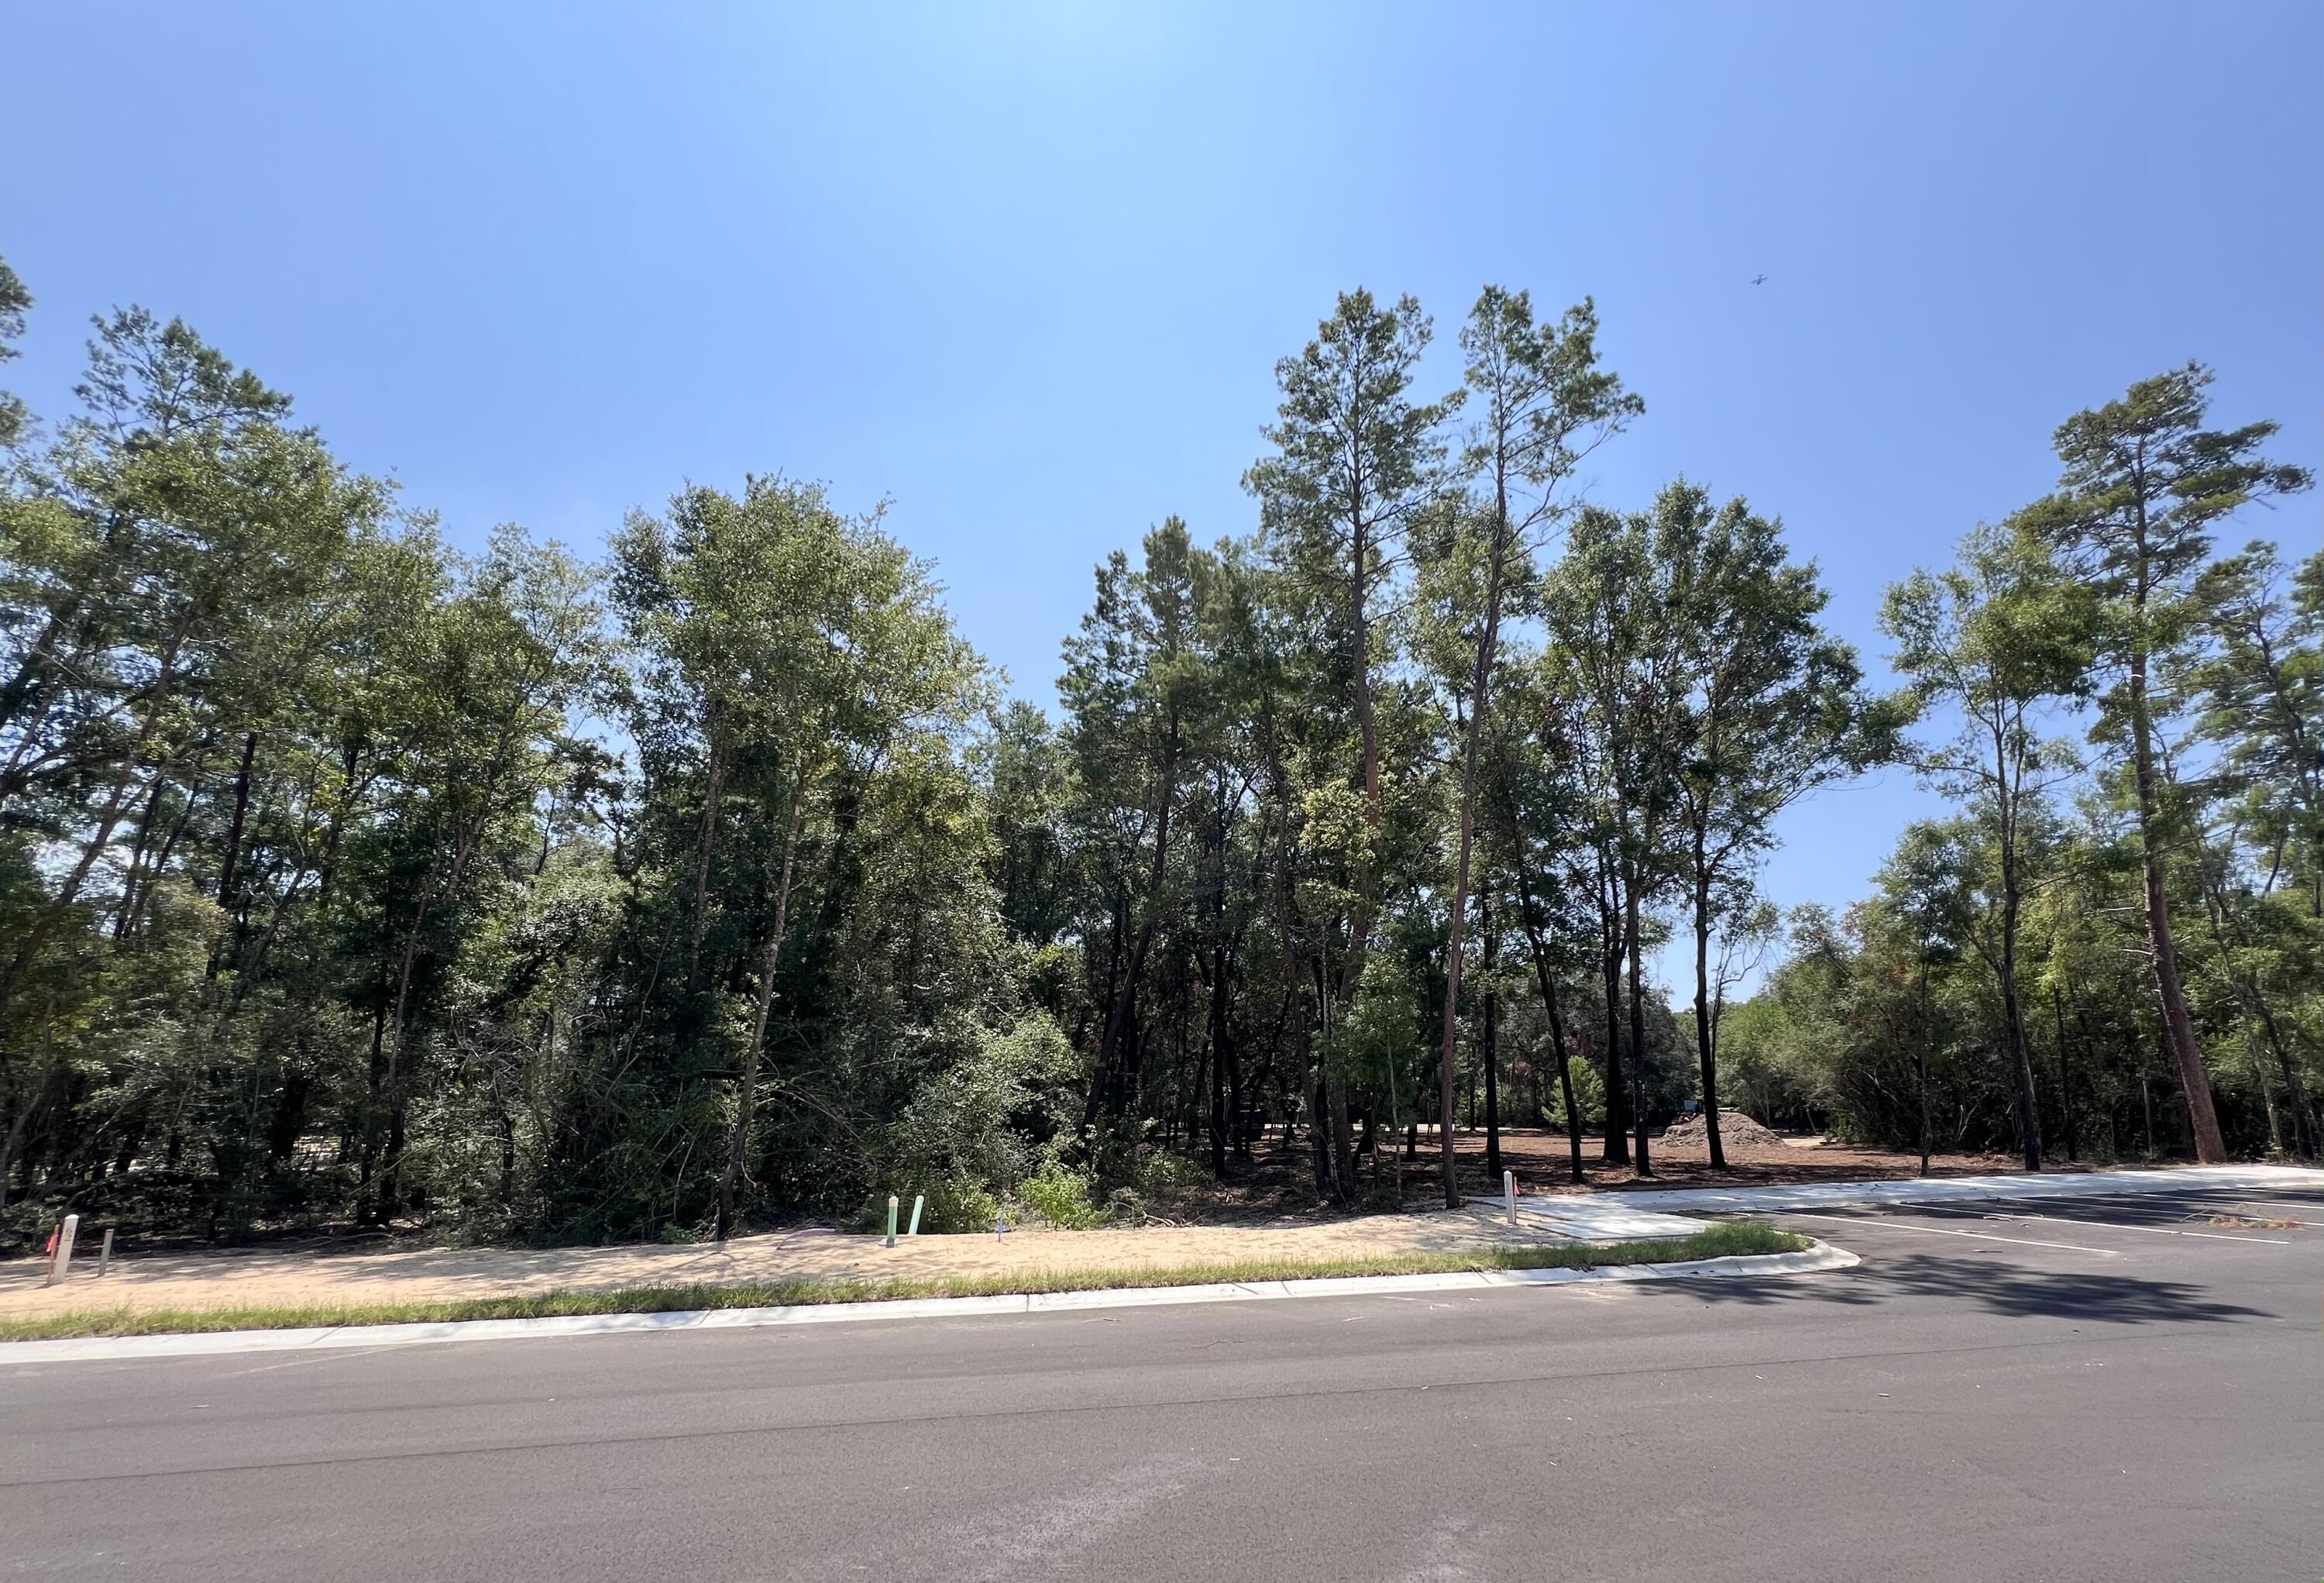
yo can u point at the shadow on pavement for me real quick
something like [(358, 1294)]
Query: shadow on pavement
[(1996, 1288)]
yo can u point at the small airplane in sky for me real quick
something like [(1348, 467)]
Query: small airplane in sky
[(1758, 280)]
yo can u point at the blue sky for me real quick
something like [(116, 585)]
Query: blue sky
[(1025, 271)]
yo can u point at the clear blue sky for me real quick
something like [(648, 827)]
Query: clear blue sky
[(1027, 271)]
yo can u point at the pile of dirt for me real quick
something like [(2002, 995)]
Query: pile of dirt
[(1735, 1131)]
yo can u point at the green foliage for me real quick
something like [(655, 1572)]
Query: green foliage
[(953, 1205), (1060, 1196), (1589, 1096), (1379, 1038), (347, 879), (974, 1128), (16, 303)]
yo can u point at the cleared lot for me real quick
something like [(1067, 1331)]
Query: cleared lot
[(2118, 1404)]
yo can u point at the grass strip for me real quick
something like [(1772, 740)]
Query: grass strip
[(1724, 1239)]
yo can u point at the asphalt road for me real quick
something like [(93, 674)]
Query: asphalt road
[(2119, 1390)]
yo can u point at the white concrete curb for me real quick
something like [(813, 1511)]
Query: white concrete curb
[(95, 1348)]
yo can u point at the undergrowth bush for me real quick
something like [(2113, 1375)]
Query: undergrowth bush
[(954, 1204), (1060, 1196)]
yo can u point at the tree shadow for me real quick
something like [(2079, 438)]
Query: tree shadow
[(1996, 1288)]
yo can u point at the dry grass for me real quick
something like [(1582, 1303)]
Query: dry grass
[(2255, 1223), (1722, 1240)]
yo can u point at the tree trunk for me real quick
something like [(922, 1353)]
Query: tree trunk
[(15, 1132), (699, 911), (1118, 1016), (2162, 955), (131, 879), (1319, 1140), (1305, 1070), (1547, 981), (1492, 1096), (1446, 1158), (1221, 1029), (1360, 921), (1117, 942), (1360, 623), (2065, 1073), (54, 911), (1638, 1025), (739, 1144), (374, 1092), (2007, 791), (2029, 1115), (1343, 1135), (2250, 990), (231, 861), (1479, 693), (1920, 1064), (1219, 1039), (2303, 1120), (1618, 1094), (1707, 1056), (389, 1194), (1237, 1126)]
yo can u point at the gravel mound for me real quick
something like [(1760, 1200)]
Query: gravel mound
[(1735, 1131)]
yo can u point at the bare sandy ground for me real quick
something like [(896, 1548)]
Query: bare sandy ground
[(221, 1280), (328, 1276)]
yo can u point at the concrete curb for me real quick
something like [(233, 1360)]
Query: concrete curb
[(97, 1349)]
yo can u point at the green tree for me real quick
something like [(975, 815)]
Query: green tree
[(1927, 885), (1537, 850), (2259, 684), (1356, 459), (15, 303), (1993, 641), (2260, 690), (510, 655), (1774, 709), (811, 641), (1133, 695), (2143, 483), (1617, 646), (1542, 405)]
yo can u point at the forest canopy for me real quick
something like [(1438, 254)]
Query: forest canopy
[(707, 878)]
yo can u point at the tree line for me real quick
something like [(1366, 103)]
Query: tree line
[(346, 878), (2126, 906)]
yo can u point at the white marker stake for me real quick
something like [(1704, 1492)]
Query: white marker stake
[(1510, 1192), (917, 1199), (105, 1253), (61, 1263), (891, 1220)]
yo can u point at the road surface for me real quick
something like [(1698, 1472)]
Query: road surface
[(2048, 1390)]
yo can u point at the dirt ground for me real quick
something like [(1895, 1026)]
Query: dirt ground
[(216, 1279), (1541, 1160), (1276, 1181), (1267, 1210)]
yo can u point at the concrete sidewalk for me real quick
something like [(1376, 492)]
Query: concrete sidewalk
[(1612, 1218), (1652, 1212), (1978, 1189)]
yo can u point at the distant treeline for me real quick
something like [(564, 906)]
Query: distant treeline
[(348, 879)]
